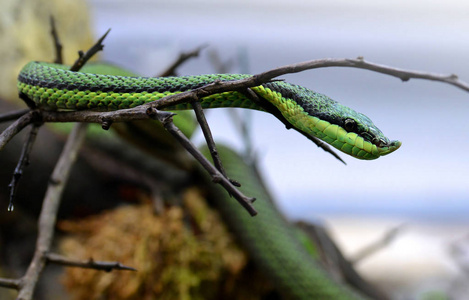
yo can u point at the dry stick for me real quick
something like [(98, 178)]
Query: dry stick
[(28, 146), (22, 162), (13, 115), (199, 113), (335, 261), (50, 206), (136, 113), (166, 119), (17, 126), (10, 283), (221, 68), (384, 241), (89, 264), (84, 57), (57, 44), (360, 63), (48, 215)]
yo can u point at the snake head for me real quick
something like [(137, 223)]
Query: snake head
[(363, 134)]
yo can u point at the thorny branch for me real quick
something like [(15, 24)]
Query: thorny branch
[(166, 119), (199, 113), (23, 161), (13, 115), (386, 239), (50, 206), (47, 218), (84, 57), (89, 264), (15, 127), (10, 283), (57, 45)]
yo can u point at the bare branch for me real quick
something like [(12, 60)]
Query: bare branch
[(387, 238), (13, 115), (199, 113), (17, 126), (84, 57), (89, 264), (360, 63), (10, 283), (57, 44), (50, 206), (23, 161), (217, 177)]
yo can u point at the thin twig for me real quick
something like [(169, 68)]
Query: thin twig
[(183, 57), (13, 115), (337, 264), (360, 63), (50, 206), (88, 264), (199, 113), (59, 177), (28, 146), (166, 119), (17, 126), (23, 161), (10, 283), (57, 44), (84, 57), (384, 241)]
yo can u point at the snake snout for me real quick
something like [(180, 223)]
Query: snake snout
[(391, 147)]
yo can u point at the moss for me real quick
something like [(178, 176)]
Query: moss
[(180, 254)]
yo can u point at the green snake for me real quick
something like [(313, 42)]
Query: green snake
[(53, 87), (276, 246)]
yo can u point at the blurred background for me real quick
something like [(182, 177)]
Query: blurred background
[(422, 186)]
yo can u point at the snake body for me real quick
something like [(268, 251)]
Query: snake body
[(274, 244), (53, 87)]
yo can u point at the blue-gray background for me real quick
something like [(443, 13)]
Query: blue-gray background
[(426, 179)]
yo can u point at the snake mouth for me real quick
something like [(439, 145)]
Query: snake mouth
[(389, 147)]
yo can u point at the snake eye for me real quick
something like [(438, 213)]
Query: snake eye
[(350, 125), (367, 137), (382, 143)]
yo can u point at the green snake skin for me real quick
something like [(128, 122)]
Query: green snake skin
[(272, 242), (53, 87)]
